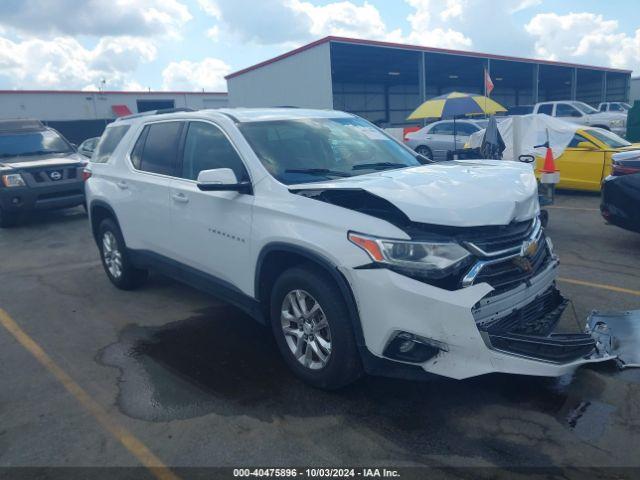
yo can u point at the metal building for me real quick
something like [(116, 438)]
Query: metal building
[(634, 94), (384, 82), (79, 114)]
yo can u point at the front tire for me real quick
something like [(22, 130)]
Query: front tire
[(311, 324), (115, 259), (425, 152)]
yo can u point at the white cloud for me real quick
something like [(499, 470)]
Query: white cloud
[(63, 62), (429, 24), (584, 38), (341, 19), (293, 22), (207, 74), (213, 33), (95, 17)]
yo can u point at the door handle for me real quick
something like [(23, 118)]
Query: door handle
[(179, 197), (122, 185)]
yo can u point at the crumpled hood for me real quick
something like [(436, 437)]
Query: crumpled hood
[(461, 193), (43, 161)]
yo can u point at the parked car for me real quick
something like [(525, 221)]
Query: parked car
[(580, 112), (587, 159), (520, 110), (39, 170), (435, 141), (621, 192), (335, 235), (614, 107), (87, 147)]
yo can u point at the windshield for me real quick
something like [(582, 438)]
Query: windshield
[(608, 138), (584, 108), (32, 143), (311, 150)]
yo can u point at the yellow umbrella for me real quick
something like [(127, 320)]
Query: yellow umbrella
[(456, 104)]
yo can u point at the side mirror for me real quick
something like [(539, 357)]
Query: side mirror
[(586, 146), (222, 180)]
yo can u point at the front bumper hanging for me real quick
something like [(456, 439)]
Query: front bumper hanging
[(617, 334)]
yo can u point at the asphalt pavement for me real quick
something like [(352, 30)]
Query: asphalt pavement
[(93, 376)]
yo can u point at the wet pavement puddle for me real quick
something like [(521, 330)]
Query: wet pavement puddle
[(220, 361)]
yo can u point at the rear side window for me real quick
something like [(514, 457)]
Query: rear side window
[(156, 150), (466, 129), (546, 108), (206, 148), (445, 128), (108, 143)]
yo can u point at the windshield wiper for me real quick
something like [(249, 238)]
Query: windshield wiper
[(379, 166), (318, 171)]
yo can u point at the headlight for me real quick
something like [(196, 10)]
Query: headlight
[(13, 180), (427, 258), (617, 123)]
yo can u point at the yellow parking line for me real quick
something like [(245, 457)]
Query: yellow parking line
[(131, 443), (611, 288), (558, 207)]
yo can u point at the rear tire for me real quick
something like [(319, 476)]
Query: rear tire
[(115, 259), (7, 219), (319, 346), (425, 152)]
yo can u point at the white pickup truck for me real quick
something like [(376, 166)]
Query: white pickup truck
[(583, 114)]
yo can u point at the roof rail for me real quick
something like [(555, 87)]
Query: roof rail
[(156, 112)]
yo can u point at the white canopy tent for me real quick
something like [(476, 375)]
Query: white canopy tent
[(522, 133)]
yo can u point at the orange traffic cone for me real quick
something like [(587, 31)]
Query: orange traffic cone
[(549, 165)]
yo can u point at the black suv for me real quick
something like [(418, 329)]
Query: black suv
[(39, 170)]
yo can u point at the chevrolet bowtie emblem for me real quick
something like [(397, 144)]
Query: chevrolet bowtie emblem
[(529, 248)]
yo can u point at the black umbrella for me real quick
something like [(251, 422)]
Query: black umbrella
[(492, 143)]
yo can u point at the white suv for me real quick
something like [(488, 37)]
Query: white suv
[(358, 256)]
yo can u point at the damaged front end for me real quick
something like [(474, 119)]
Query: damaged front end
[(617, 334)]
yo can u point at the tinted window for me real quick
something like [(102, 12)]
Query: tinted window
[(136, 154), (108, 143), (564, 110), (32, 143), (466, 129), (547, 108), (445, 128), (160, 152), (206, 148), (616, 107)]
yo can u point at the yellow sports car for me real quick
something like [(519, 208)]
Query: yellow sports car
[(587, 159)]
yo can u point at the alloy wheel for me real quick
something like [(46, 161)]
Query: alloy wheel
[(111, 254), (306, 329)]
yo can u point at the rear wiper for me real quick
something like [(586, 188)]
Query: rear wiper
[(318, 171), (379, 165)]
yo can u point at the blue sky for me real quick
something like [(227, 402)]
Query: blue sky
[(192, 44)]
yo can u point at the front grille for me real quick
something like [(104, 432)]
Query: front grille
[(42, 175), (509, 273), (505, 237), (538, 317)]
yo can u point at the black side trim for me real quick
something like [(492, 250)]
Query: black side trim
[(332, 269), (200, 280)]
